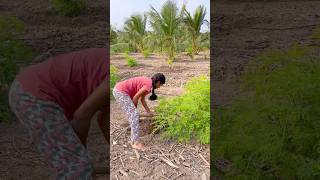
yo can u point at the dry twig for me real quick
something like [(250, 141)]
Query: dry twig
[(135, 172), (122, 163), (137, 154), (123, 172), (169, 163), (116, 177), (204, 160), (180, 174)]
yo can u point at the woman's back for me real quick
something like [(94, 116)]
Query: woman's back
[(67, 79)]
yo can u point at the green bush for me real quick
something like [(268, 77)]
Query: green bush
[(119, 48), (272, 130), (114, 76), (146, 53), (131, 61), (70, 7), (190, 53), (170, 61), (187, 116), (13, 53)]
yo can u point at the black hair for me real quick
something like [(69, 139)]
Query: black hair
[(155, 78)]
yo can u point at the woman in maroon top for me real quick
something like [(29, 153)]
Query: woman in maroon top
[(56, 99)]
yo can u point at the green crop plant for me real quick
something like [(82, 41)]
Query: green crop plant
[(187, 116), (70, 7), (131, 61), (272, 131), (190, 53), (146, 53), (13, 54), (114, 77)]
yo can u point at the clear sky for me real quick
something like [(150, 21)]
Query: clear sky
[(122, 9)]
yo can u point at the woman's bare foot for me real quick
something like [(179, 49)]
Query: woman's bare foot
[(138, 146)]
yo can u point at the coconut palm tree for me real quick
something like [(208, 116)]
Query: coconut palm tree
[(135, 27), (113, 35), (194, 24), (165, 23)]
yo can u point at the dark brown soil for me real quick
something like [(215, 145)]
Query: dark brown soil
[(47, 31), (243, 29), (49, 34)]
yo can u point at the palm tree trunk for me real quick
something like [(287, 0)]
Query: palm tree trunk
[(194, 44)]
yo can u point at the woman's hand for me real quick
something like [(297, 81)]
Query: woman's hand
[(144, 104), (103, 121)]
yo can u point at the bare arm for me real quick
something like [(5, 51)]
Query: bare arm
[(144, 103), (83, 115), (136, 97), (103, 122)]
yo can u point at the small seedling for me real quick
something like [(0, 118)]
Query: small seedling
[(170, 61), (146, 53), (131, 61), (190, 53)]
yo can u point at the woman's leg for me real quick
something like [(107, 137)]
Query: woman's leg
[(131, 111), (52, 134)]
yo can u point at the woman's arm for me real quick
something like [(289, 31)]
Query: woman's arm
[(103, 122), (136, 97), (82, 116), (144, 103)]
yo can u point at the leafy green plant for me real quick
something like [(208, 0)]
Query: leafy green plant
[(170, 62), (119, 48), (190, 53), (187, 116), (70, 7), (146, 53), (131, 61), (13, 53), (114, 77), (272, 130)]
